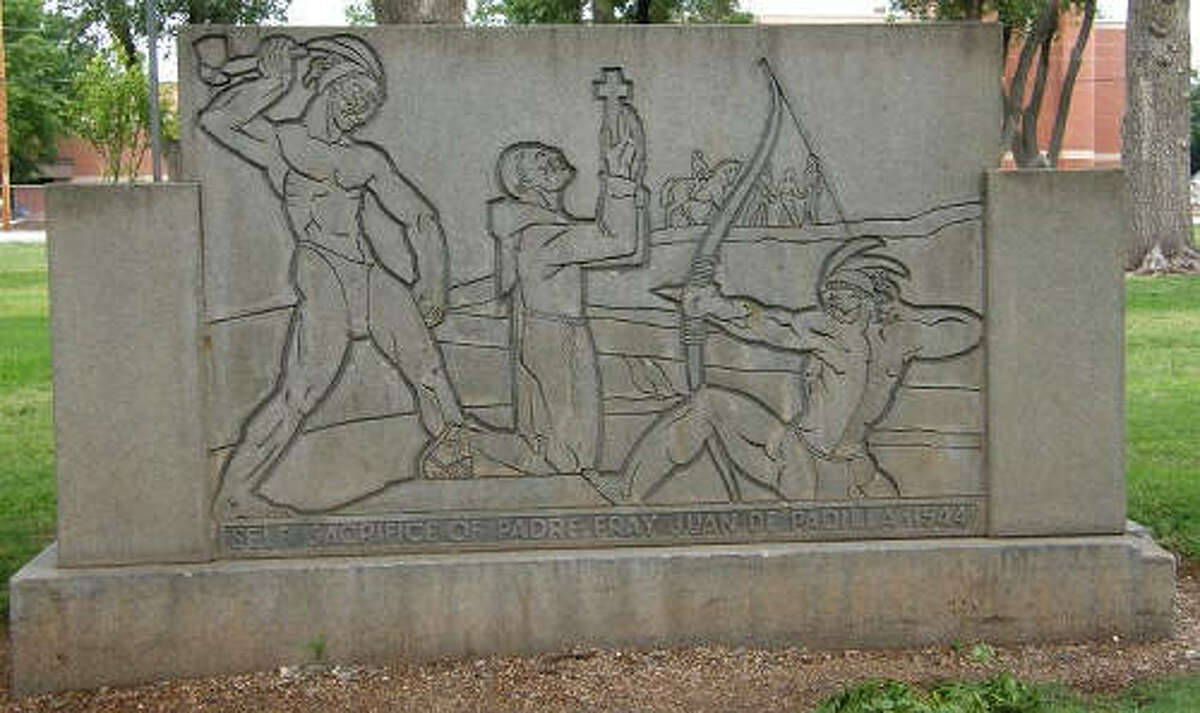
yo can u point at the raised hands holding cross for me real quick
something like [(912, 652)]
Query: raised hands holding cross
[(622, 138)]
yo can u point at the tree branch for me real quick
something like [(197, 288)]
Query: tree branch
[(1033, 109), (1068, 83), (1016, 87), (1023, 130)]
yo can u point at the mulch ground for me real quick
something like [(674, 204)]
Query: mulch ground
[(691, 680)]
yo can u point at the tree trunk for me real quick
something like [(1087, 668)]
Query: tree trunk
[(1154, 137), (118, 20), (1021, 117), (1068, 83), (643, 12), (419, 12)]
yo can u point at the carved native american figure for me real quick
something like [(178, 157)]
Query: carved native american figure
[(370, 253), (859, 342)]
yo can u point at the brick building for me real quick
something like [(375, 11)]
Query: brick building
[(1093, 135)]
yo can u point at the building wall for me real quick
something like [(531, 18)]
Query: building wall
[(85, 163), (1109, 83), (1093, 135)]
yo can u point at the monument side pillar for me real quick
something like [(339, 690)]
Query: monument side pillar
[(1055, 352), (128, 397)]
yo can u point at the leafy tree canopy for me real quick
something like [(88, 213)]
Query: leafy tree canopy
[(124, 21), (1011, 13), (525, 12), (1018, 17), (45, 50), (112, 111)]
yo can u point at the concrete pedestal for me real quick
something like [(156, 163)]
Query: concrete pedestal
[(74, 628)]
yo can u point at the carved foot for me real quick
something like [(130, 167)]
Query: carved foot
[(233, 504), (611, 486), (879, 487), (449, 456)]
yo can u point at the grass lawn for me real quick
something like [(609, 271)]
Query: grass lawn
[(1162, 382), (27, 498), (1005, 694)]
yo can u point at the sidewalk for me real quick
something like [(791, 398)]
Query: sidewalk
[(22, 236)]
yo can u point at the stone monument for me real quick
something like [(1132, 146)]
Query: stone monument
[(463, 341)]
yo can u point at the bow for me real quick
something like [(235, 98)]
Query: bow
[(704, 259)]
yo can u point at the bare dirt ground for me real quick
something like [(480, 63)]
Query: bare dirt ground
[(691, 680)]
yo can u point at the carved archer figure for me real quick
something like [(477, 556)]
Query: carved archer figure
[(370, 254), (859, 340)]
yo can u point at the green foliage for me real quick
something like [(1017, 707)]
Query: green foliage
[(316, 647), (168, 115), (1176, 695), (52, 64), (44, 51), (712, 12), (124, 21), (1004, 693), (113, 112), (525, 12), (359, 13), (1000, 694), (219, 12), (27, 499), (1017, 17), (982, 653), (1162, 383), (877, 697)]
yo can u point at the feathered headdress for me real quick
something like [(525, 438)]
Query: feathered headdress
[(859, 264)]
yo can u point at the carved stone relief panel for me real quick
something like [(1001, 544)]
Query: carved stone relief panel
[(528, 288)]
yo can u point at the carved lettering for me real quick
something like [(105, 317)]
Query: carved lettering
[(730, 524)]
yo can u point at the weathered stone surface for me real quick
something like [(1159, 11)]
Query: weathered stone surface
[(1055, 344), (615, 271), (128, 394), (240, 616)]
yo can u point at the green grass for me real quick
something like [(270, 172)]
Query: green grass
[(1162, 382), (1005, 694), (1176, 695), (27, 498)]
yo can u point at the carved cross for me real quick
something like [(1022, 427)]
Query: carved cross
[(612, 88)]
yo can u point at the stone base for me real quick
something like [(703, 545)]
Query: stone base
[(78, 628)]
